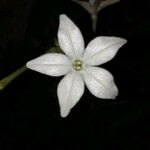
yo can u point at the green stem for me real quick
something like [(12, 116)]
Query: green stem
[(5, 81), (8, 79)]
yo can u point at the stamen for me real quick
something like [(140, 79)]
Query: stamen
[(77, 65)]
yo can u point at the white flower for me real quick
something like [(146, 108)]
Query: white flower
[(79, 65)]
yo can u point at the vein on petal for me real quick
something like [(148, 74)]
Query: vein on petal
[(102, 50), (50, 65), (71, 87), (99, 81), (70, 38), (95, 78)]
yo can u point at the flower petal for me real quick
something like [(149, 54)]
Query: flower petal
[(106, 3), (100, 83), (70, 38), (102, 49), (51, 64), (70, 90)]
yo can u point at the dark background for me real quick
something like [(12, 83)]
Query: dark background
[(30, 118)]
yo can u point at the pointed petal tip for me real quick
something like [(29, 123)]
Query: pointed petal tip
[(114, 97), (111, 97), (29, 64), (102, 49), (52, 64), (115, 94), (124, 41), (64, 112), (62, 16), (120, 40), (63, 115), (70, 37)]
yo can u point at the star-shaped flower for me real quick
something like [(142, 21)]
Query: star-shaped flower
[(79, 66), (95, 6)]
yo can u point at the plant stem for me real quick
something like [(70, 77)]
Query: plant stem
[(5, 81), (8, 79), (94, 21)]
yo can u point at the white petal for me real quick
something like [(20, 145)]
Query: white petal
[(102, 49), (70, 38), (51, 64), (100, 83), (70, 90), (106, 3)]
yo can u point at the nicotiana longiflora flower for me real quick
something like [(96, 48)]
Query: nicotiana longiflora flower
[(79, 65), (93, 7)]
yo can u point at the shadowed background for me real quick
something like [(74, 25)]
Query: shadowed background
[(29, 110)]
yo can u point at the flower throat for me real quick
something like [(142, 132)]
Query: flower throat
[(77, 65)]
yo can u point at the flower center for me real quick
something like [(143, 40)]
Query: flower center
[(77, 65)]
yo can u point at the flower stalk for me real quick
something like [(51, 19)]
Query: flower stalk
[(94, 18), (8, 79)]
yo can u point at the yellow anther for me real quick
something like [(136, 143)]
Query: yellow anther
[(77, 65)]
